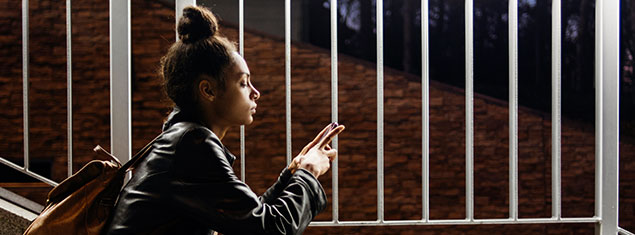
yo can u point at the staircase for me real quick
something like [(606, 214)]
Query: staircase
[(16, 212)]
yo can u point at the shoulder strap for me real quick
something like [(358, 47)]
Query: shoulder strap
[(140, 155)]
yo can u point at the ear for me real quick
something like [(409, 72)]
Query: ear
[(206, 90)]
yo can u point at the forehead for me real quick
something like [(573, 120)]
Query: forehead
[(239, 66)]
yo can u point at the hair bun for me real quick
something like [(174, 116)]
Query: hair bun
[(196, 23)]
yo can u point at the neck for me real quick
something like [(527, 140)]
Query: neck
[(211, 121), (219, 131)]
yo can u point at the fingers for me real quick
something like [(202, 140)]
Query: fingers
[(331, 154), (332, 135), (317, 138), (317, 160), (305, 149)]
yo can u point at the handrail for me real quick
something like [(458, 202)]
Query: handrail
[(27, 172), (607, 107), (624, 231), (457, 222)]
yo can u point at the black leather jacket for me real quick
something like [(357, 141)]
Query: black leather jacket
[(186, 185)]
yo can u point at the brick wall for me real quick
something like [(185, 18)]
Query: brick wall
[(152, 33)]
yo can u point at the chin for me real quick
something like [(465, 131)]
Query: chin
[(248, 121)]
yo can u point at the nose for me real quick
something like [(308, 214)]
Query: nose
[(255, 94)]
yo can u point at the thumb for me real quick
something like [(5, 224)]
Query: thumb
[(331, 154)]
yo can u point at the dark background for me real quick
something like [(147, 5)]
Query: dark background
[(402, 40)]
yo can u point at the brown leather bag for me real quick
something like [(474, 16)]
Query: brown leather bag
[(83, 203)]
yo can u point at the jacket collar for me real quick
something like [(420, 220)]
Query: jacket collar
[(177, 115)]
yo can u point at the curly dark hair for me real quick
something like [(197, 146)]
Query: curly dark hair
[(201, 50)]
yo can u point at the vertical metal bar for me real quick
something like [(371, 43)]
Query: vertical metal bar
[(120, 119), (69, 87), (287, 73), (241, 45), (513, 109), (425, 105), (556, 50), (241, 27), (334, 103), (25, 80), (610, 22), (380, 110), (598, 111), (469, 109), (179, 5)]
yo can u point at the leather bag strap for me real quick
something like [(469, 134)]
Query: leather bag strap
[(140, 155)]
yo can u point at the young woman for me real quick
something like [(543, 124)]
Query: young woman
[(186, 184)]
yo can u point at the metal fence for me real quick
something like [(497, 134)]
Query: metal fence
[(607, 100)]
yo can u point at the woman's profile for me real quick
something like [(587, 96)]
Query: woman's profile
[(186, 184)]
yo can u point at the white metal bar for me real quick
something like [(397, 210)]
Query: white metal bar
[(425, 105), (334, 103), (241, 45), (598, 111), (469, 109), (623, 231), (28, 172), (287, 73), (380, 110), (69, 87), (556, 50), (25, 80), (513, 109), (610, 22), (455, 222), (241, 27), (179, 5), (242, 153), (120, 115)]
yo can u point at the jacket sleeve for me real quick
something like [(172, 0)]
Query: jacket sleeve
[(278, 187), (206, 187)]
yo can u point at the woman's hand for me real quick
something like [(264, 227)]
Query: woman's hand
[(316, 156)]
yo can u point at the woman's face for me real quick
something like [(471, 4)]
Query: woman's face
[(237, 103)]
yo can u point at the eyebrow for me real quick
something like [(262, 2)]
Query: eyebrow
[(248, 75)]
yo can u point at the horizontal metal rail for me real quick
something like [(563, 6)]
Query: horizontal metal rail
[(458, 222), (623, 231), (28, 172)]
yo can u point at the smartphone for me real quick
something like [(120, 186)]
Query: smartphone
[(331, 126)]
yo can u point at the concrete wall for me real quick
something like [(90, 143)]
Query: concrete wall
[(152, 33)]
